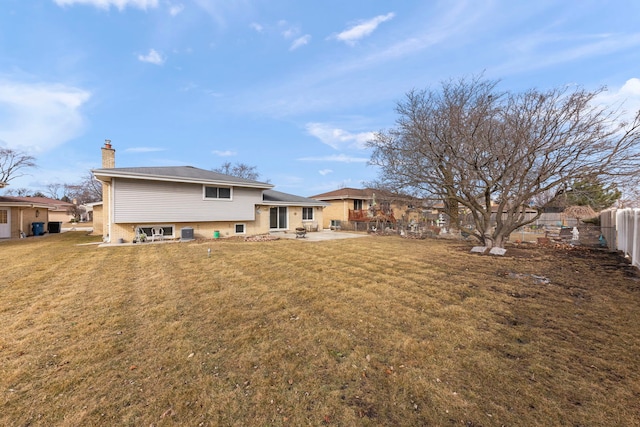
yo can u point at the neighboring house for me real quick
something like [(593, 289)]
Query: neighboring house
[(354, 205), (183, 197), (17, 215), (59, 211)]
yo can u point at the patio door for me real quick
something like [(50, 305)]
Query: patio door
[(5, 223), (278, 218)]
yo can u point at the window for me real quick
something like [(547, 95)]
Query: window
[(357, 205), (217, 192), (307, 214), (167, 230), (4, 217), (240, 229)]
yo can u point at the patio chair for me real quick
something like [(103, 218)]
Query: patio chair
[(157, 233)]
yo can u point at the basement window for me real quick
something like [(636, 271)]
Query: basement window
[(167, 230), (240, 229)]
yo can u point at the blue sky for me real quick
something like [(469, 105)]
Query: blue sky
[(294, 88)]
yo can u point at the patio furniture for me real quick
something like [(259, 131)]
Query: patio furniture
[(301, 232), (141, 236), (157, 233)]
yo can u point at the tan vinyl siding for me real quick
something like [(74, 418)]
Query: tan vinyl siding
[(140, 201)]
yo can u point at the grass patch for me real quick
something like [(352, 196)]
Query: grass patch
[(373, 331)]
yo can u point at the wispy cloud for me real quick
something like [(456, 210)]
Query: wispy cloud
[(39, 117), (227, 153), (300, 41), (257, 27), (626, 99), (153, 57), (176, 9), (544, 50), (340, 158), (338, 138), (222, 11), (143, 149), (287, 30), (325, 172), (362, 29), (106, 4)]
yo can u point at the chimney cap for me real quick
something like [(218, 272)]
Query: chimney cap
[(107, 143)]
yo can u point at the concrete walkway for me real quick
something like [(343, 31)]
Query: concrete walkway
[(319, 236)]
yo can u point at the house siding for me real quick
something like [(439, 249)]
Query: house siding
[(173, 202)]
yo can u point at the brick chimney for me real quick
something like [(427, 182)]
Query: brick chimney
[(108, 155)]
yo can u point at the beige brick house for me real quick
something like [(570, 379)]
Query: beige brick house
[(179, 198), (365, 205)]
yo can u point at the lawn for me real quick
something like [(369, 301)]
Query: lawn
[(379, 331)]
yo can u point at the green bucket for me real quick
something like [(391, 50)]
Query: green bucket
[(216, 234)]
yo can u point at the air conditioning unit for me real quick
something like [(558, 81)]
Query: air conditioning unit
[(186, 233)]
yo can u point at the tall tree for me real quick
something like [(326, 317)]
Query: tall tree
[(55, 190), (594, 194), (19, 192), (88, 190), (493, 152), (240, 170), (13, 163)]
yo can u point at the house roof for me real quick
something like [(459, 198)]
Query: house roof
[(365, 194), (188, 174), (35, 202), (279, 198), (346, 193)]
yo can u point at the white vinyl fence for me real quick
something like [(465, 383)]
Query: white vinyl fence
[(621, 228)]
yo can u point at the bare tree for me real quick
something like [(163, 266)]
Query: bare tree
[(55, 190), (493, 152), (83, 192), (12, 163), (18, 192), (240, 170)]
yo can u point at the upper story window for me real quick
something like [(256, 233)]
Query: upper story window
[(307, 214), (217, 192), (357, 205)]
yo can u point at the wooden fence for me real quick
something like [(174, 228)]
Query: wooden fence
[(621, 229)]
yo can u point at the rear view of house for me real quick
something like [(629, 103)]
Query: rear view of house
[(177, 198)]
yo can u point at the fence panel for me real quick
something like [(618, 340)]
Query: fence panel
[(621, 229)]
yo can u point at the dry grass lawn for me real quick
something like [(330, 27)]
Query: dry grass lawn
[(378, 331)]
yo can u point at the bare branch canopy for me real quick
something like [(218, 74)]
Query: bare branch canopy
[(494, 152)]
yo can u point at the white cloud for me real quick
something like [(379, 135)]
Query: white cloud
[(176, 9), (144, 149), (106, 4), (227, 153), (153, 57), (363, 29), (300, 41), (338, 138), (341, 158), (325, 172), (39, 117), (626, 99), (257, 27)]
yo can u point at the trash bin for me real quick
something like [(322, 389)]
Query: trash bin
[(37, 228), (216, 234), (54, 227)]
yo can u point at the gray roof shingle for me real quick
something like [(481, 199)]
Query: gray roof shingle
[(181, 173)]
